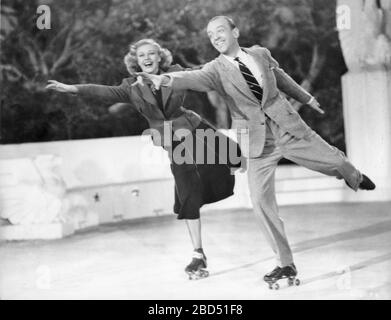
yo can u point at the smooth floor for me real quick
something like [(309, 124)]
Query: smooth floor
[(342, 251)]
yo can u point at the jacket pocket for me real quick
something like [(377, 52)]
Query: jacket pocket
[(287, 118), (239, 123)]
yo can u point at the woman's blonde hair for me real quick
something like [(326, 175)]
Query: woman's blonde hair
[(130, 59)]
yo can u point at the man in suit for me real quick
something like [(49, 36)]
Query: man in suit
[(251, 82)]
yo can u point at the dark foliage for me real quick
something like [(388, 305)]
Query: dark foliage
[(88, 39)]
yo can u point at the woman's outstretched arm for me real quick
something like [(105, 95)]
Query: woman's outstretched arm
[(111, 94)]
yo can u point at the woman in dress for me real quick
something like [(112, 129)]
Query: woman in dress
[(195, 183)]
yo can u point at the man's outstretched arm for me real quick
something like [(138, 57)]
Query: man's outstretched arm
[(289, 86), (204, 80)]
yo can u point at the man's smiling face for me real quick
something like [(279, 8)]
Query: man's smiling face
[(222, 36)]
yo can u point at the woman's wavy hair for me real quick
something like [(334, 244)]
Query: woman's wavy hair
[(130, 59)]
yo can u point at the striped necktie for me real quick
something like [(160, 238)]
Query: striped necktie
[(251, 81)]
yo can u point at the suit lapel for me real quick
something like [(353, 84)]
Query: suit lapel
[(147, 95), (166, 94), (261, 64), (236, 78)]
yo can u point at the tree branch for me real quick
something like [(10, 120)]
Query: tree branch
[(12, 69), (43, 68), (299, 65), (317, 63), (58, 35), (65, 54), (79, 47), (184, 61), (31, 55)]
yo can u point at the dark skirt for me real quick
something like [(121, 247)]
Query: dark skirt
[(197, 182)]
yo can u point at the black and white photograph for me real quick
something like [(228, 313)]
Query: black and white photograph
[(195, 150)]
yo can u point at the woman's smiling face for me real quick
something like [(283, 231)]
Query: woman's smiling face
[(148, 58)]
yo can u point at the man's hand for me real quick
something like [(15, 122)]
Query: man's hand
[(314, 104), (156, 80)]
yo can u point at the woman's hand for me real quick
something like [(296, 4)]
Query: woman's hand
[(157, 80), (61, 87)]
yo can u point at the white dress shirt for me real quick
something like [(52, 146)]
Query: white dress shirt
[(250, 64)]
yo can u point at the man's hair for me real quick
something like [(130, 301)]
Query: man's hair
[(230, 21)]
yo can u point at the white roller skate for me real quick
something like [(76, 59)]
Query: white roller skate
[(197, 267)]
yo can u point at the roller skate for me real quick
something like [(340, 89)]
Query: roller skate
[(288, 272), (196, 268)]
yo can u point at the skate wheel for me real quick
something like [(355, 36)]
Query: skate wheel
[(297, 282), (204, 273), (270, 286), (192, 276), (200, 274), (291, 282), (276, 286)]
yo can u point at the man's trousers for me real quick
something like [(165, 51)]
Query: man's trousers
[(311, 152)]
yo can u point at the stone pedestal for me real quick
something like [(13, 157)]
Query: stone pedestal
[(32, 199), (367, 116)]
